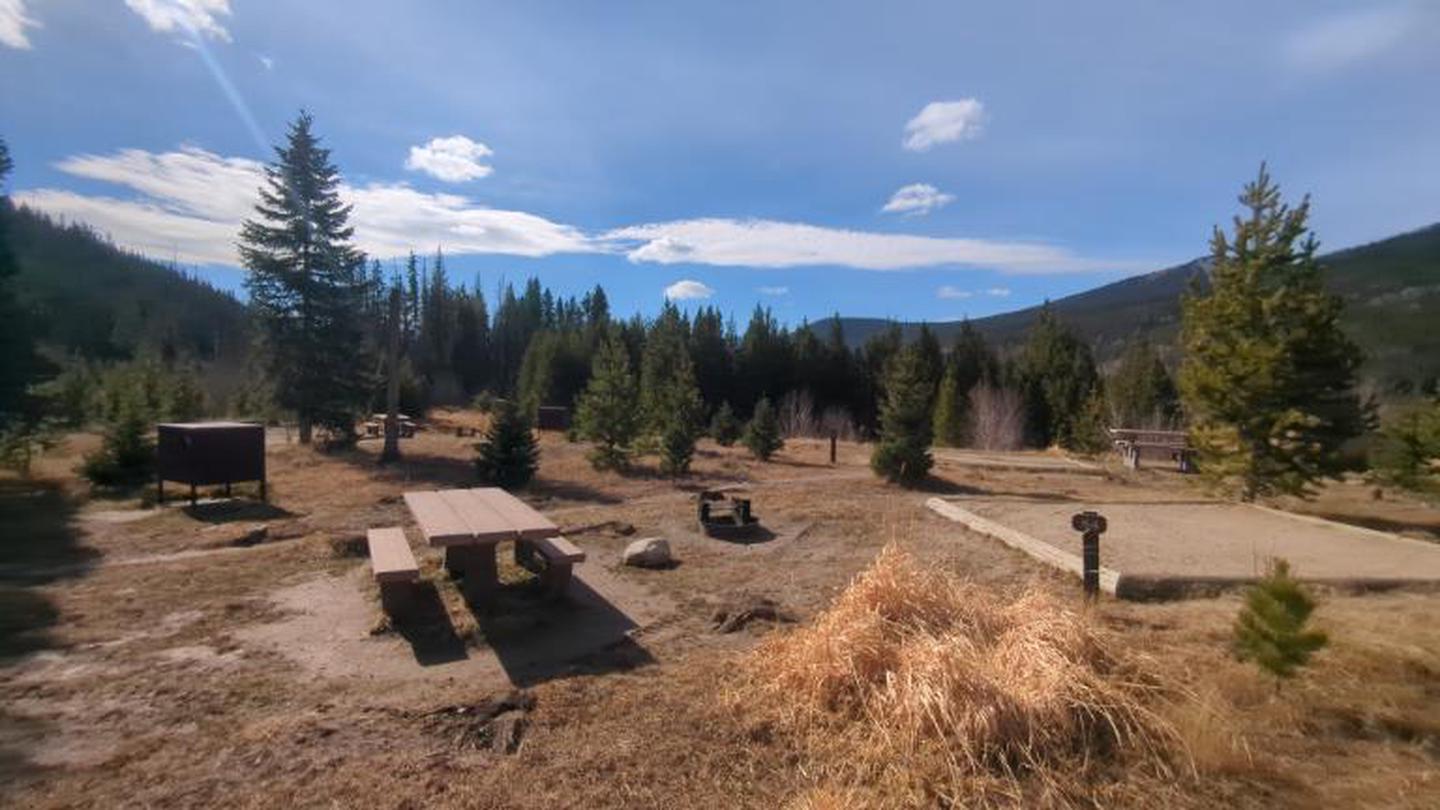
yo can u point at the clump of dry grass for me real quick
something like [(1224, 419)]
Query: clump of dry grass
[(916, 678)]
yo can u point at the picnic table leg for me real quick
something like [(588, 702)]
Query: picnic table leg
[(555, 580), (476, 564), (525, 555)]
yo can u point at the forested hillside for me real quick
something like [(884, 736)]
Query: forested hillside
[(1391, 290), (92, 299)]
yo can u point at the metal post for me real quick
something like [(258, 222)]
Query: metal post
[(833, 436), (1091, 525), (391, 450)]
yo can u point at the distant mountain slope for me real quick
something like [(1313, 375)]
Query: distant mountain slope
[(94, 299), (1391, 290)]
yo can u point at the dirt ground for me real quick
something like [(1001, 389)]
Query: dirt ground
[(1202, 539), (234, 653)]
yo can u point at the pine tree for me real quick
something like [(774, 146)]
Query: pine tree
[(1268, 377), (1270, 629), (1058, 377), (681, 424), (762, 435), (902, 454), (607, 413), (307, 287), (509, 455), (725, 428), (664, 351), (127, 453), (949, 409), (1407, 453), (1140, 393), (20, 366)]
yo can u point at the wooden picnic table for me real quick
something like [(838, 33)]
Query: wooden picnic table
[(469, 523)]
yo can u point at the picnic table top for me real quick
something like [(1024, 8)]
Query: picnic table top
[(480, 516)]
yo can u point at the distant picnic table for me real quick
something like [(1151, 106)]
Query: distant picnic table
[(1173, 445), (470, 523)]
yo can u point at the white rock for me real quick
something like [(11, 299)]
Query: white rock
[(648, 552)]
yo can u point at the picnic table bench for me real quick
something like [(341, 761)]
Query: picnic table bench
[(468, 524), (1170, 444), (396, 571)]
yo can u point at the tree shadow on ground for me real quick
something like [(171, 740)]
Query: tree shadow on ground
[(425, 624), (935, 485), (41, 545), (1429, 528), (537, 639)]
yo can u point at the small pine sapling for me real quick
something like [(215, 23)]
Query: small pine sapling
[(1270, 630)]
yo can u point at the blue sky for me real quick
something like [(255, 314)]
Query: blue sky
[(914, 160)]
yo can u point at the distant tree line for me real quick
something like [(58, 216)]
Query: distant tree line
[(1266, 384)]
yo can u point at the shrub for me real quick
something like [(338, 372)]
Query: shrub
[(762, 436), (509, 455)]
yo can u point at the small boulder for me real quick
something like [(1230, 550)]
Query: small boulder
[(648, 552)]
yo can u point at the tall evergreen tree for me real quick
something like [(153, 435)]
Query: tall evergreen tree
[(1268, 377), (1058, 378), (902, 454), (950, 409), (307, 287), (680, 426), (1140, 392), (665, 349), (607, 413), (19, 364)]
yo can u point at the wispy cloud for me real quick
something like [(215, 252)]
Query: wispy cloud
[(944, 122), (454, 159), (197, 17), (952, 293), (998, 292), (773, 290), (1351, 37), (267, 61), (917, 199), (13, 22), (768, 243), (688, 290), (190, 204)]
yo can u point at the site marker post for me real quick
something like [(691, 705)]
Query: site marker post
[(1091, 525)]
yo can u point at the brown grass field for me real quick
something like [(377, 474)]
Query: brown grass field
[(175, 658)]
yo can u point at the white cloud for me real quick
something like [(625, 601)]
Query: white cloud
[(773, 290), (454, 159), (196, 17), (267, 61), (767, 243), (943, 122), (688, 290), (1354, 36), (190, 204), (952, 293), (998, 292), (917, 199), (13, 22)]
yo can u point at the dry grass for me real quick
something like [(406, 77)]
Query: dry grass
[(947, 690)]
